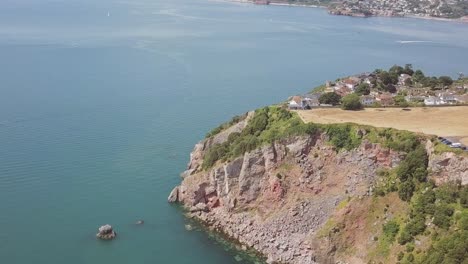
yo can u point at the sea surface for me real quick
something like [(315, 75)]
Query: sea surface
[(102, 101)]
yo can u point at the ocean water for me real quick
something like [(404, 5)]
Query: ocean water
[(102, 101)]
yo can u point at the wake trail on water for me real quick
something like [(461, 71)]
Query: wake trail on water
[(414, 41)]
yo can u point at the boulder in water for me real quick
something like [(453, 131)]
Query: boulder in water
[(106, 232), (174, 195)]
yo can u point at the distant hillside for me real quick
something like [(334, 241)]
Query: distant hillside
[(437, 8)]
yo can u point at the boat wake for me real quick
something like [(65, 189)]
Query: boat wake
[(414, 41)]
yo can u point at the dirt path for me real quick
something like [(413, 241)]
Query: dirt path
[(441, 121)]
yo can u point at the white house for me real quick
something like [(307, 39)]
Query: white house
[(432, 100), (351, 82), (447, 98), (311, 100), (367, 99), (296, 103)]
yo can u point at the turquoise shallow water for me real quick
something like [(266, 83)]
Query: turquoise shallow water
[(98, 113)]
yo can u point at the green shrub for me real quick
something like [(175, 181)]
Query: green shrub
[(343, 136), (400, 255), (410, 257), (404, 171), (464, 196), (442, 215), (351, 102), (400, 140), (234, 120), (400, 101), (362, 89), (409, 247), (452, 249), (242, 145), (391, 229), (214, 154), (233, 136), (424, 202), (463, 221), (447, 193), (258, 123), (330, 98), (416, 226), (405, 237), (405, 191), (420, 174), (412, 169), (417, 158)]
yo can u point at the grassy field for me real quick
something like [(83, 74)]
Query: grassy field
[(449, 122)]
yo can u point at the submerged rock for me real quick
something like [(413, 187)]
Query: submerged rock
[(106, 232)]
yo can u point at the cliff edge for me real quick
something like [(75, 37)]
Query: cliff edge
[(298, 195)]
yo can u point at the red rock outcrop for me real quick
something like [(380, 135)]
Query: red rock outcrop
[(274, 198)]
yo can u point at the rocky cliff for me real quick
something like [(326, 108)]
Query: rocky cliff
[(447, 166), (278, 198)]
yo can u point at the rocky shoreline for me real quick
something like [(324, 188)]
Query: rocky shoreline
[(278, 199), (246, 199)]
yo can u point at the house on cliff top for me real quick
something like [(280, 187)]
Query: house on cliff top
[(351, 82), (367, 100), (296, 103), (304, 102)]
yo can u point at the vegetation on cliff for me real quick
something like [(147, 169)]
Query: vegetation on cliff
[(234, 120), (436, 228), (274, 123), (351, 102), (267, 125), (430, 225)]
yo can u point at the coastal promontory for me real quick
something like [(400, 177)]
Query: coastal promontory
[(299, 191)]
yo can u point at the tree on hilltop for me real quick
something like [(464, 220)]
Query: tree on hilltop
[(351, 102), (330, 98), (445, 80), (418, 76), (408, 69), (388, 78), (395, 69), (362, 89)]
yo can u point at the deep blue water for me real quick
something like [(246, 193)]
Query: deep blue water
[(98, 113)]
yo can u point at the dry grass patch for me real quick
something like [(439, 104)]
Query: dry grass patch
[(441, 121)]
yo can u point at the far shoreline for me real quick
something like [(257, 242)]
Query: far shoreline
[(441, 19)]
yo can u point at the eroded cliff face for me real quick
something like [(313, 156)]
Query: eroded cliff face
[(277, 198), (447, 166)]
